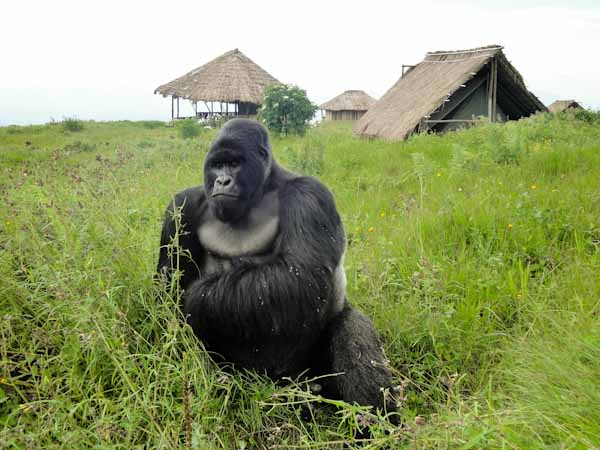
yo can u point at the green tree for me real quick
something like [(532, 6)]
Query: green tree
[(286, 109)]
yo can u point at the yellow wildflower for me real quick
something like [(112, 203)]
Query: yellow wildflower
[(509, 226), (533, 187), (371, 229), (439, 174), (382, 214)]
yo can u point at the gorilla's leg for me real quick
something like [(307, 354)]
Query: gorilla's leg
[(351, 347)]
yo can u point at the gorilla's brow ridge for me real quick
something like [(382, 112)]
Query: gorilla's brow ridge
[(235, 143), (224, 154)]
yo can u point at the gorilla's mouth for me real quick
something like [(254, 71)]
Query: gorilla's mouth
[(223, 194)]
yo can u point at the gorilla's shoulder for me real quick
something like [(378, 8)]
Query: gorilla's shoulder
[(306, 202), (307, 191), (191, 197)]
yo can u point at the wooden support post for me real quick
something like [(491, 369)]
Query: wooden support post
[(172, 108), (495, 101), (178, 107), (492, 90), (406, 66)]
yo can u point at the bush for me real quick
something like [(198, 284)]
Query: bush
[(585, 115), (72, 124), (287, 109), (189, 128)]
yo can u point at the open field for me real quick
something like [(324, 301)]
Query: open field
[(476, 253)]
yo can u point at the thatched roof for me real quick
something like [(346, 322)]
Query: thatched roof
[(426, 87), (229, 78), (563, 105), (349, 101)]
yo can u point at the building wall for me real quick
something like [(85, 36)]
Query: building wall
[(343, 115)]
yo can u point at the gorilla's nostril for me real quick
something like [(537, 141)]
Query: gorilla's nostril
[(224, 181)]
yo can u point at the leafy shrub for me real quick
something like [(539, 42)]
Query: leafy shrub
[(586, 115), (72, 124), (189, 128), (464, 160), (504, 145), (287, 109)]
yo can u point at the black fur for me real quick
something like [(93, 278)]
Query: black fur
[(275, 312)]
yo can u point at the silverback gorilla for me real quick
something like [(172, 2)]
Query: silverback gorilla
[(262, 250)]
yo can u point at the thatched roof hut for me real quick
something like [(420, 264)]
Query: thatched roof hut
[(450, 89), (563, 105), (230, 78), (349, 105)]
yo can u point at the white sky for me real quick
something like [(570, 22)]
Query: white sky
[(102, 60)]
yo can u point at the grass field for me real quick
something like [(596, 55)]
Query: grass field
[(476, 253)]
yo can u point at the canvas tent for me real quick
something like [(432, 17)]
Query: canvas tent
[(450, 89), (563, 105), (349, 105), (232, 78)]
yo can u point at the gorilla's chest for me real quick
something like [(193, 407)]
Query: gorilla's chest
[(251, 237)]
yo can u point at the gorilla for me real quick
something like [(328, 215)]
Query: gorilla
[(260, 256)]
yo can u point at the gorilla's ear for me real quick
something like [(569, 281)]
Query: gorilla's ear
[(264, 152)]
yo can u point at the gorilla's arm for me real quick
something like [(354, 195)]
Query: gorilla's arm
[(178, 243), (290, 295)]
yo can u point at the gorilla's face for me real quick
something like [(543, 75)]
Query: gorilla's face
[(236, 169)]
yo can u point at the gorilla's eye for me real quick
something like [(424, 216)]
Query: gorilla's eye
[(233, 164), (263, 153)]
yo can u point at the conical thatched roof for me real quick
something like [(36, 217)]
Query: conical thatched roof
[(426, 87), (349, 101), (229, 78), (563, 105)]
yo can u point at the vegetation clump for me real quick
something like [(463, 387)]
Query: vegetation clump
[(189, 128), (72, 124), (286, 109)]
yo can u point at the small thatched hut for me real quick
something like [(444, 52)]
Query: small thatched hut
[(563, 105), (349, 105), (450, 89), (232, 78)]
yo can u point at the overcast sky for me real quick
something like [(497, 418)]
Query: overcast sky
[(102, 60)]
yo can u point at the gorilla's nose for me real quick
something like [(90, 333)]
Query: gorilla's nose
[(223, 181)]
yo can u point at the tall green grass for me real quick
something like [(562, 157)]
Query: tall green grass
[(476, 253)]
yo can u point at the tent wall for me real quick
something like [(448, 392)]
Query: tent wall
[(473, 107)]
